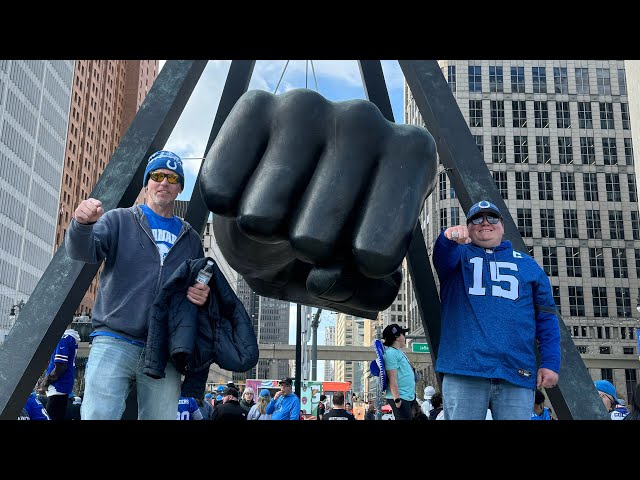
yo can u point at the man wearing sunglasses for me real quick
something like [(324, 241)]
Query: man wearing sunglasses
[(141, 247), (496, 304)]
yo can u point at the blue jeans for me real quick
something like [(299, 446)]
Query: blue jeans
[(114, 367), (468, 398)]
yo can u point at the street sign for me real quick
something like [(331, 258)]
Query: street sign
[(420, 348)]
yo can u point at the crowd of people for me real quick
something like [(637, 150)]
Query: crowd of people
[(496, 306)]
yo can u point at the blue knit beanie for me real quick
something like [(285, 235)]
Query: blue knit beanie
[(164, 159)]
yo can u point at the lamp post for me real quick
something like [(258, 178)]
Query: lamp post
[(314, 343)]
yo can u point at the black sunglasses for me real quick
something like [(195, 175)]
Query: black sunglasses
[(492, 219)]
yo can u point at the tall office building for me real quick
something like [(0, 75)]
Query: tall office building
[(556, 137), (105, 98), (34, 107), (271, 325), (350, 331), (329, 365)]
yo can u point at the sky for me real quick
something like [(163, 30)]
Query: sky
[(336, 80)]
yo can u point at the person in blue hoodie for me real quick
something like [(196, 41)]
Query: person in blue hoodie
[(496, 304), (285, 405), (141, 246)]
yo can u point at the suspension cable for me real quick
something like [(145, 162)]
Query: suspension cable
[(284, 70), (314, 76)]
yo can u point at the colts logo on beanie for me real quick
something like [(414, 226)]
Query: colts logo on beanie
[(164, 159)]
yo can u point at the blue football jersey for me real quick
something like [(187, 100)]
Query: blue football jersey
[(33, 409), (188, 409), (65, 353)]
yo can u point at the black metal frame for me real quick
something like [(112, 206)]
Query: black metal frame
[(57, 295)]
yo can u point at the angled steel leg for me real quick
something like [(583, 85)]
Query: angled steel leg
[(424, 283), (26, 351), (574, 397), (235, 86)]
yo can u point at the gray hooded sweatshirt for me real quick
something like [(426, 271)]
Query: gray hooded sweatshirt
[(132, 273)]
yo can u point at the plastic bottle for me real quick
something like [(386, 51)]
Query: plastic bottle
[(204, 275)]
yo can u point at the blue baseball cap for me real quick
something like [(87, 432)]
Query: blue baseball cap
[(208, 395), (605, 386), (220, 388), (164, 159), (264, 392), (219, 398), (483, 206)]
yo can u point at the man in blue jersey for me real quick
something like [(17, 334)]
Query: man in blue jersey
[(496, 303), (285, 405), (141, 246), (188, 409), (60, 375)]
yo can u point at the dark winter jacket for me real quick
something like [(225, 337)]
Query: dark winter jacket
[(194, 337)]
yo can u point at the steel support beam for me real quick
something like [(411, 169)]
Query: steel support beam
[(26, 351), (574, 397), (235, 86)]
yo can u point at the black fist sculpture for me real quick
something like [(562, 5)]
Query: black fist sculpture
[(315, 201)]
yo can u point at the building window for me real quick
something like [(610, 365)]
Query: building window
[(627, 350), (570, 220), (451, 78), (565, 150), (628, 151), (539, 77), (497, 113), (567, 186), (590, 181), (475, 113), (455, 216), (550, 262), (587, 151), (520, 149), (626, 121), (600, 306), (517, 79), (475, 78), (606, 374), (596, 262), (616, 225), (619, 263), (609, 151), (541, 114), (622, 81), (612, 183), (606, 116), (623, 302), (479, 143), (574, 265), (576, 301), (519, 109), (545, 186), (637, 255), (543, 149), (560, 80), (496, 80), (585, 118), (605, 350), (604, 81), (556, 296), (523, 186), (525, 222), (623, 333), (443, 219), (442, 185), (594, 228), (582, 80), (547, 223), (498, 149), (501, 182), (563, 119), (581, 348), (635, 224), (607, 333)]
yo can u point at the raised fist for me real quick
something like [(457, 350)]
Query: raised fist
[(315, 201), (89, 211)]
